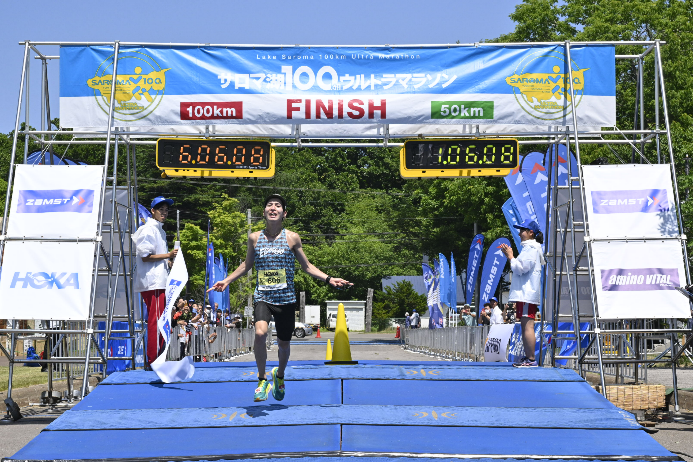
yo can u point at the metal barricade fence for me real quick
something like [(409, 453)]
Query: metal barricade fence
[(465, 343), (214, 343)]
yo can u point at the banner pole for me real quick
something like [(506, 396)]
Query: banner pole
[(90, 319)]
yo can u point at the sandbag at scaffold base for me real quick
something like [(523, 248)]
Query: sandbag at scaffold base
[(341, 353)]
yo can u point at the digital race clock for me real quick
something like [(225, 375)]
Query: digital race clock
[(215, 158), (438, 158)]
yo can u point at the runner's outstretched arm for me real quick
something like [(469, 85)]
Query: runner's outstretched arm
[(242, 269), (294, 241)]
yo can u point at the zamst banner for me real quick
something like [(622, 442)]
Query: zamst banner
[(173, 371), (475, 251), (494, 262), (638, 279), (46, 280), (55, 201), (299, 85), (630, 200)]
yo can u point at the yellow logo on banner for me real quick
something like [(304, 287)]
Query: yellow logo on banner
[(546, 95), (140, 85)]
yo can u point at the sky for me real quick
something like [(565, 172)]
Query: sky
[(271, 22)]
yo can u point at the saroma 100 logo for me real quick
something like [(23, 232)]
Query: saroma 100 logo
[(140, 85), (541, 85)]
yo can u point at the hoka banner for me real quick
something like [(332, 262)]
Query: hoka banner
[(204, 85), (494, 262), (473, 264)]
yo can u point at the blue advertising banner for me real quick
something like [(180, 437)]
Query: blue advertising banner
[(518, 190), (453, 284), (536, 180), (435, 316), (512, 216), (473, 264), (183, 85), (494, 262), (444, 278), (516, 350)]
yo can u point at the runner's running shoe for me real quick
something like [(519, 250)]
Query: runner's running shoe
[(527, 363), (523, 359), (262, 390), (278, 388)]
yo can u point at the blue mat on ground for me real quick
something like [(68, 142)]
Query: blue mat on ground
[(366, 371), (490, 394), (375, 412), (186, 442), (282, 415), (511, 442), (204, 395), (386, 362)]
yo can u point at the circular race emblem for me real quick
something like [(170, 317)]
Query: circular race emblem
[(140, 85), (541, 85)]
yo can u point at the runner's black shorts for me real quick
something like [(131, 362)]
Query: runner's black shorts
[(284, 317)]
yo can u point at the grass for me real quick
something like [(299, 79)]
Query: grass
[(22, 377)]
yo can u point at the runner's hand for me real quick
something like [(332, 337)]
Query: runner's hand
[(218, 286), (339, 283)]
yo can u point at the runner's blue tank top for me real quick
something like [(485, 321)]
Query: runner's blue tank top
[(274, 267)]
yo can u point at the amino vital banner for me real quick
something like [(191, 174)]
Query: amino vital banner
[(473, 264), (630, 200), (494, 262), (638, 279), (176, 85), (184, 369)]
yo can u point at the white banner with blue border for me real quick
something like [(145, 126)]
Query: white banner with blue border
[(487, 85)]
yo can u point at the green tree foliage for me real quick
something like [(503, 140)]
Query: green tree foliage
[(600, 20), (395, 301)]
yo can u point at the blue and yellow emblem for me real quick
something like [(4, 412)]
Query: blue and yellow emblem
[(541, 85), (140, 85)]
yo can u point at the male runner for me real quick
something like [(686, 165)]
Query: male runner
[(273, 252)]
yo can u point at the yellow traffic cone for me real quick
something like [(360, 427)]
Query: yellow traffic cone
[(328, 356), (342, 350)]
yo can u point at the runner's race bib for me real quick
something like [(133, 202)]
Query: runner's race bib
[(271, 279)]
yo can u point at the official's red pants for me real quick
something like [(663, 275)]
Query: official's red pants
[(156, 304)]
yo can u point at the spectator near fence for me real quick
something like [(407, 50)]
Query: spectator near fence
[(525, 288), (415, 320)]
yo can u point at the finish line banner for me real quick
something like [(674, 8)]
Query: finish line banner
[(520, 85)]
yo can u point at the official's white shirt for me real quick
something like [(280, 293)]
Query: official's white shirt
[(150, 239), (496, 316)]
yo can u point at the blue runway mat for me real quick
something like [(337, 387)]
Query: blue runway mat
[(187, 442), (283, 415), (366, 371), (490, 394), (202, 395), (510, 442), (417, 411)]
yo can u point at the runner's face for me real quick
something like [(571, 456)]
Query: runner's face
[(274, 211)]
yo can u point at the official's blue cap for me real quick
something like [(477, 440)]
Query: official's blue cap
[(493, 298), (413, 311), (158, 200), (528, 224)]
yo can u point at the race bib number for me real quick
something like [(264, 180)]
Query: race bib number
[(271, 279)]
